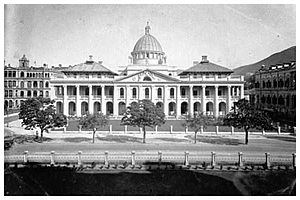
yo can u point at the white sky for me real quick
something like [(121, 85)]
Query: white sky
[(230, 35)]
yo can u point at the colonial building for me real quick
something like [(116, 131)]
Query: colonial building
[(275, 90), (24, 82), (92, 87)]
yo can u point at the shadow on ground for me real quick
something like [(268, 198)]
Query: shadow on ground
[(120, 139), (282, 138), (216, 140), (77, 139), (70, 181)]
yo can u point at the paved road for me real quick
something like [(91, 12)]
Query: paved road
[(255, 146)]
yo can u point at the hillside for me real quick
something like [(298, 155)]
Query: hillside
[(286, 55)]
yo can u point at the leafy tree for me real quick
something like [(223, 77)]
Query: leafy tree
[(92, 122), (246, 116), (196, 122), (40, 113), (142, 114)]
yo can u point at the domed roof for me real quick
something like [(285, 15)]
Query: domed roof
[(147, 43)]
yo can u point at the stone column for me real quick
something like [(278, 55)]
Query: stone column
[(242, 91), (65, 105), (177, 101), (151, 93), (191, 100), (90, 100), (103, 106), (115, 102), (165, 101), (216, 106), (78, 111), (127, 95), (140, 92), (203, 100), (228, 106)]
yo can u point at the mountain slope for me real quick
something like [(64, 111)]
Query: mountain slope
[(284, 56)]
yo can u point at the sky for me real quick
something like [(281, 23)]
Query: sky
[(230, 35)]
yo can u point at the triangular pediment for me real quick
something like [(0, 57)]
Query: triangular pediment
[(147, 76)]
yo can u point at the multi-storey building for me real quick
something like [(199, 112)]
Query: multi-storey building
[(24, 82), (275, 90), (91, 87)]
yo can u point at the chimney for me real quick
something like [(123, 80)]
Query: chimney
[(204, 59), (195, 62)]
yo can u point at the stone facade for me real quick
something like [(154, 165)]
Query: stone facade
[(91, 87), (275, 89)]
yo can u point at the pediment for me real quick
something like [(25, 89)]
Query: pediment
[(147, 76)]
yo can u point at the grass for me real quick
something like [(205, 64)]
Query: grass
[(216, 140), (282, 138), (68, 181)]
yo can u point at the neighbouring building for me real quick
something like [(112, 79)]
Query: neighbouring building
[(23, 82), (275, 90), (92, 87)]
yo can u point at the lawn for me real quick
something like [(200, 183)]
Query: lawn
[(69, 181)]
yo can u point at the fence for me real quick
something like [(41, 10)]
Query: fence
[(239, 159)]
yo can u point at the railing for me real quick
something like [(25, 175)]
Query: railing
[(185, 158)]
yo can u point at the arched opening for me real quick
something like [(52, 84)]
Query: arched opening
[(147, 78), (59, 107), (172, 108), (35, 93), (109, 108), (28, 93), (222, 109), (146, 93), (122, 108), (97, 107), (47, 84), (84, 108), (159, 93), (172, 93), (209, 108), (35, 84), (72, 108), (160, 105), (22, 74), (197, 107), (274, 100), (10, 104), (184, 108)]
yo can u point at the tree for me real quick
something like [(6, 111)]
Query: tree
[(40, 113), (92, 122), (246, 116), (143, 114), (196, 122)]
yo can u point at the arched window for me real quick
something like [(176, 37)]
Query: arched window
[(22, 93), (35, 84), (159, 93), (47, 84), (134, 93), (121, 92), (147, 93), (172, 93), (147, 78), (22, 84), (28, 93), (22, 74)]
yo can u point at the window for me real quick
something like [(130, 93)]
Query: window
[(121, 92), (28, 93), (172, 93), (195, 92), (29, 84), (147, 93), (219, 92), (14, 73), (41, 84), (182, 92), (9, 84), (9, 74), (35, 84), (22, 93), (5, 73), (47, 93), (206, 92), (87, 76), (22, 84), (159, 93), (47, 84), (10, 93), (134, 93), (5, 83), (6, 93)]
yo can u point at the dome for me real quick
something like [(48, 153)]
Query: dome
[(147, 51), (147, 43)]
